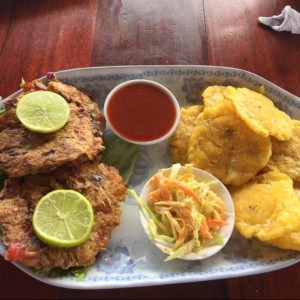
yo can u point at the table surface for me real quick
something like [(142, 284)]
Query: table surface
[(37, 36)]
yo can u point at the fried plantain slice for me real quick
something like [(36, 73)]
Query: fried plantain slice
[(286, 154), (260, 114), (289, 241), (267, 207), (180, 139), (223, 145), (214, 95)]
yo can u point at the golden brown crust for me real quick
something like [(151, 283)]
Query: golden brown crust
[(223, 145), (100, 184), (260, 114), (15, 219), (266, 207), (179, 141), (24, 152), (286, 154)]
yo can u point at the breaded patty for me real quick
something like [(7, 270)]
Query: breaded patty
[(24, 152), (100, 184)]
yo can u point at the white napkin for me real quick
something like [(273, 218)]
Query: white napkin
[(288, 20)]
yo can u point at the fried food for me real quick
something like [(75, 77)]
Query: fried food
[(214, 95), (286, 154), (180, 139), (260, 114), (100, 184), (244, 140), (289, 241), (24, 152), (223, 145), (267, 207)]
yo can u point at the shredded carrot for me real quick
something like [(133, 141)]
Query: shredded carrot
[(185, 211), (204, 230), (214, 223), (154, 195), (223, 214), (215, 215), (165, 193), (174, 184), (155, 181), (181, 233)]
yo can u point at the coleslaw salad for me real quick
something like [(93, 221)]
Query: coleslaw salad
[(183, 213)]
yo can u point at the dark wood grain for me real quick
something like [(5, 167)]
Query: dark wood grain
[(46, 36), (5, 20), (37, 36), (236, 39), (150, 32), (15, 284)]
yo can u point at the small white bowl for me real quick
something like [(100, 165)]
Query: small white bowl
[(225, 231), (120, 111)]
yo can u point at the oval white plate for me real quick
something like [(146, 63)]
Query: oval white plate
[(131, 260)]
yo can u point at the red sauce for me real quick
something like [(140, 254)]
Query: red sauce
[(141, 112)]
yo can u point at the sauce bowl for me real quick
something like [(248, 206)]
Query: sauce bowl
[(142, 111)]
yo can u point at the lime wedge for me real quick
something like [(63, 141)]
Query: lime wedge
[(63, 218), (43, 111)]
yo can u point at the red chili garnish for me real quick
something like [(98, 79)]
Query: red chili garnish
[(14, 252), (28, 86)]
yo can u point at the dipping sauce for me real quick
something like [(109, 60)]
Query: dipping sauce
[(142, 111)]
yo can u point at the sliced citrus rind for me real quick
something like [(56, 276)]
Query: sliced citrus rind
[(63, 218)]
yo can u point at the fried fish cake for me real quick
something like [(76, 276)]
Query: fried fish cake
[(286, 154), (267, 207), (260, 114), (100, 184), (214, 95), (223, 145), (25, 152), (180, 139)]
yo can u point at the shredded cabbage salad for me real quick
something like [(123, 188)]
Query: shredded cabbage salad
[(184, 214)]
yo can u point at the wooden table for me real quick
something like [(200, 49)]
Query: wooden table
[(37, 36)]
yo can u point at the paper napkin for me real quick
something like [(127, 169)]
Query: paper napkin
[(288, 20)]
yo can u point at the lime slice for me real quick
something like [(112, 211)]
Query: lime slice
[(43, 111), (63, 218)]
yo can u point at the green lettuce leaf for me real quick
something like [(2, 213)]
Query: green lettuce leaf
[(120, 154)]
